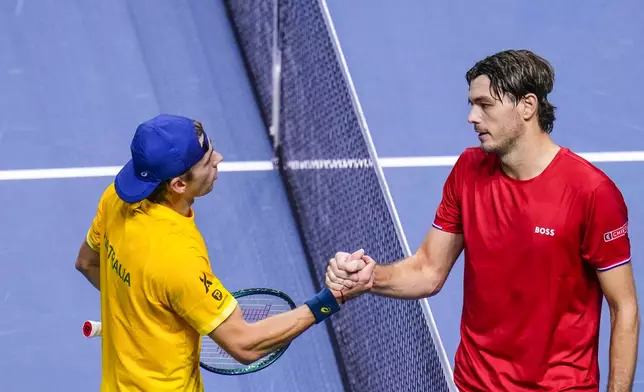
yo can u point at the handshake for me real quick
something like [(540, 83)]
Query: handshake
[(349, 275)]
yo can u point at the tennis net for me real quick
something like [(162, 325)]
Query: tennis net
[(337, 191)]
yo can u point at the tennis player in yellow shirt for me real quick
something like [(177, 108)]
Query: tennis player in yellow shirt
[(145, 254)]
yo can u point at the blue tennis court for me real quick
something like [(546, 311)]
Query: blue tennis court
[(78, 78)]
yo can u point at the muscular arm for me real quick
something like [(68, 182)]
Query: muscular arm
[(619, 289), (88, 262), (194, 292), (248, 342), (424, 273)]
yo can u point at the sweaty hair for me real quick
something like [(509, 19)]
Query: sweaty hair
[(160, 192), (516, 73)]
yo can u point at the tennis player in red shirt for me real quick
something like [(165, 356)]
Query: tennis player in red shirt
[(545, 235)]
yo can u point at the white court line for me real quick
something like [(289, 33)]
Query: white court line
[(110, 171), (253, 166), (613, 156)]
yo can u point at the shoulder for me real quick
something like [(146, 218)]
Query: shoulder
[(110, 199), (595, 189), (184, 247), (109, 192), (177, 257), (582, 174)]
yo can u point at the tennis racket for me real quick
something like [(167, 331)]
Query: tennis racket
[(256, 304)]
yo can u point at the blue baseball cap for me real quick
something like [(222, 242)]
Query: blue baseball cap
[(163, 147)]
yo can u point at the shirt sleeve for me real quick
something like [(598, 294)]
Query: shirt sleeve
[(605, 243), (198, 296), (93, 236), (448, 213)]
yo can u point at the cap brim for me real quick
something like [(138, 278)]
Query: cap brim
[(130, 188)]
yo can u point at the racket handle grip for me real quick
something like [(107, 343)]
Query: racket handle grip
[(91, 328)]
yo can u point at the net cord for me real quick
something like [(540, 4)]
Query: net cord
[(447, 369)]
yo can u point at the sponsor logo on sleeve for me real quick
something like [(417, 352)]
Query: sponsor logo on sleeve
[(615, 234), (220, 297), (206, 283)]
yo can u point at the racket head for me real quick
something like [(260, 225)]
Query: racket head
[(256, 304)]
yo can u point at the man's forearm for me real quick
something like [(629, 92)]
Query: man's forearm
[(405, 279), (88, 263), (623, 348), (93, 275), (272, 333)]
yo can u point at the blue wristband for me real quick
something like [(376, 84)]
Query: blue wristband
[(323, 305)]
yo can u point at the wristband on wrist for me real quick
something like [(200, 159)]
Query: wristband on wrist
[(323, 305)]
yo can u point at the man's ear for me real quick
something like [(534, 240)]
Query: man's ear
[(178, 185), (529, 106)]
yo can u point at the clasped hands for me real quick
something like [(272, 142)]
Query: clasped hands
[(350, 274)]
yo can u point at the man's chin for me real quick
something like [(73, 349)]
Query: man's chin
[(206, 191), (486, 147)]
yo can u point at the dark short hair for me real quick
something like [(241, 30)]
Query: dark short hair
[(517, 73)]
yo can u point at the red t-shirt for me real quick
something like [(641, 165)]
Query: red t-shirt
[(532, 300)]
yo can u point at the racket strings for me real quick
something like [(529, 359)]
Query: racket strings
[(254, 308)]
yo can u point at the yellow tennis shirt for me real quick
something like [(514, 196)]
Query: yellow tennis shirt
[(158, 296)]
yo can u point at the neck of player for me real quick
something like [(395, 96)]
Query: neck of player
[(179, 204), (530, 156)]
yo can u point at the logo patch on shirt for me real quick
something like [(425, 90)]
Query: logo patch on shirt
[(615, 234), (544, 231), (206, 282)]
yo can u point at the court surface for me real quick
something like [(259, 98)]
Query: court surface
[(77, 79)]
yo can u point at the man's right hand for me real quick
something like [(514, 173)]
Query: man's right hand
[(349, 275)]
